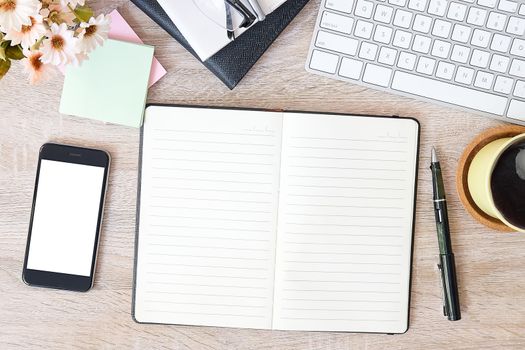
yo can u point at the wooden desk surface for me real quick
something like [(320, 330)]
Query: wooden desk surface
[(491, 265)]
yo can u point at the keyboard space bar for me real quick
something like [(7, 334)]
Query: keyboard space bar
[(457, 95)]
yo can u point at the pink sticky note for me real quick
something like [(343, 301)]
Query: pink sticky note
[(121, 30)]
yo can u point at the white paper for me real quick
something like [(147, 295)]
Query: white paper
[(345, 223), (204, 35), (208, 212)]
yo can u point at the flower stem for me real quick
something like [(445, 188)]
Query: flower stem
[(36, 46)]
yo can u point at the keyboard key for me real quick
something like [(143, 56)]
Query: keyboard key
[(457, 11), (496, 21), (522, 10), (461, 33), (476, 16), (338, 23), (403, 18), (334, 42), (368, 51), (364, 8), (340, 5), (518, 47), (484, 80), (438, 7), (351, 68), (503, 85), (499, 63), (507, 6), (445, 70), (480, 38), (441, 49), (421, 44), (517, 68), (487, 3), (426, 65), (383, 14), (377, 75), (480, 58), (402, 39), (464, 75), (418, 5), (441, 28), (387, 56), (383, 34), (397, 2), (460, 54), (422, 23), (406, 60), (500, 43), (519, 90), (323, 61), (446, 92), (363, 29), (516, 26), (516, 110)]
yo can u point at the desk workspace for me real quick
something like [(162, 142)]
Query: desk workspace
[(304, 280)]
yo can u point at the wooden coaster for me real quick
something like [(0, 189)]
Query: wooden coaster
[(462, 173)]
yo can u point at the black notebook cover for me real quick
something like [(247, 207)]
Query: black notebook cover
[(233, 61)]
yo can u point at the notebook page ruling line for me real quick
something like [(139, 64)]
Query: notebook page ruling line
[(345, 223), (208, 217)]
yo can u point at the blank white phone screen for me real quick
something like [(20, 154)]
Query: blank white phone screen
[(65, 217)]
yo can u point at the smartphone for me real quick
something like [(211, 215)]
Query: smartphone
[(64, 230)]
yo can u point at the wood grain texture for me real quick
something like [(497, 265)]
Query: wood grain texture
[(491, 265)]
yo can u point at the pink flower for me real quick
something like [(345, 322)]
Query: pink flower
[(34, 66)]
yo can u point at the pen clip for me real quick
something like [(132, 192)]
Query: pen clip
[(445, 313)]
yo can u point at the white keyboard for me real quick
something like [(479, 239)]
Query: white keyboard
[(466, 53)]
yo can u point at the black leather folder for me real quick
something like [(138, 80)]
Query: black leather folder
[(233, 61)]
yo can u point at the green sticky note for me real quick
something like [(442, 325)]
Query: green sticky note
[(111, 86)]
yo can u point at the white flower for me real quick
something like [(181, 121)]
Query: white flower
[(29, 34), (60, 46), (15, 13), (94, 33), (59, 13), (73, 3), (34, 66)]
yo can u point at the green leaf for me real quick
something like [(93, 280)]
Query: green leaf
[(4, 67), (14, 52), (83, 13), (3, 47)]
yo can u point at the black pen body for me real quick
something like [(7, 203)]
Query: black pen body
[(447, 264)]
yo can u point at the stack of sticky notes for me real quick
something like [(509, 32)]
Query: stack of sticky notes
[(112, 85)]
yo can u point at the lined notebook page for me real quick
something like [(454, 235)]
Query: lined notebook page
[(345, 223), (208, 211)]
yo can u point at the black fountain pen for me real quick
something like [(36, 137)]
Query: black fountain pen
[(447, 265)]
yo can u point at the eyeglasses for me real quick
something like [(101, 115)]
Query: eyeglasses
[(231, 15)]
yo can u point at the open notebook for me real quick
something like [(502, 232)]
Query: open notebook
[(275, 220)]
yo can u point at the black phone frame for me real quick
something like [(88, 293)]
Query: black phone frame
[(75, 155)]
